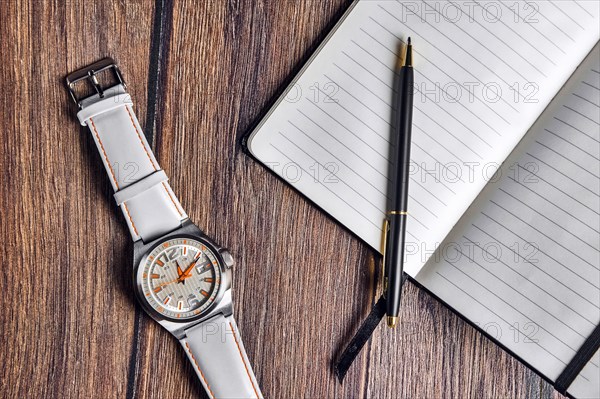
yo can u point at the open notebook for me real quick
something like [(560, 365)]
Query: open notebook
[(504, 209)]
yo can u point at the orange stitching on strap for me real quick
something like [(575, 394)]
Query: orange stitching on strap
[(243, 360), (172, 200), (198, 366), (150, 158), (140, 137), (112, 172), (130, 219)]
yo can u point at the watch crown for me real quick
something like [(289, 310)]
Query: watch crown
[(227, 258)]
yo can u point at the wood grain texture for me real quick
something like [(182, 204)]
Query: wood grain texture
[(200, 74)]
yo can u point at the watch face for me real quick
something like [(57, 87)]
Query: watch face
[(180, 278)]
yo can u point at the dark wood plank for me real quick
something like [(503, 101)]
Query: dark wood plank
[(67, 311), (302, 283)]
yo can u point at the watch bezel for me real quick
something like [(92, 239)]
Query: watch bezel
[(139, 271)]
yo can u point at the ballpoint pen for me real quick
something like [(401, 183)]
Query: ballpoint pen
[(396, 218)]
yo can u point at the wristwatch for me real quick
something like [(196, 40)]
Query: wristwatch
[(182, 278)]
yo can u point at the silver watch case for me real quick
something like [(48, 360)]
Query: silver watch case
[(222, 303)]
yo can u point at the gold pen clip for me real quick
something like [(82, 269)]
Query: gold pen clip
[(386, 230)]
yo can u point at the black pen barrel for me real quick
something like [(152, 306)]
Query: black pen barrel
[(394, 263), (403, 126)]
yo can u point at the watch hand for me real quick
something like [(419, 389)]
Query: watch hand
[(179, 272), (166, 283), (187, 272)]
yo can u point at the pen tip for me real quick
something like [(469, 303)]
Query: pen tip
[(408, 57), (392, 321)]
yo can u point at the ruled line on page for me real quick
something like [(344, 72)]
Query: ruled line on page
[(504, 299), (440, 70), (562, 173), (340, 198), (576, 129), (580, 114), (482, 46), (556, 26), (571, 144), (548, 237), (521, 37), (500, 39), (449, 59), (510, 229), (548, 219), (557, 206), (422, 112), (418, 166), (351, 131), (463, 106), (364, 179), (531, 282), (584, 9), (500, 317), (583, 169), (566, 14), (586, 99), (524, 260), (426, 115), (591, 85), (522, 19), (412, 179), (565, 193), (381, 211)]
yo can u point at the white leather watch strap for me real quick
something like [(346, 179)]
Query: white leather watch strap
[(216, 351), (143, 193)]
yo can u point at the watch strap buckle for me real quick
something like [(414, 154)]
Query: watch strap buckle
[(89, 74)]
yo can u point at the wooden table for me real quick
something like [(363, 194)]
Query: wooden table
[(200, 75)]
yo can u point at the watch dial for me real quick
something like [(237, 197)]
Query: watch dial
[(180, 278)]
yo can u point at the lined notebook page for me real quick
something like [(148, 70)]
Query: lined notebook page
[(484, 71), (523, 262)]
